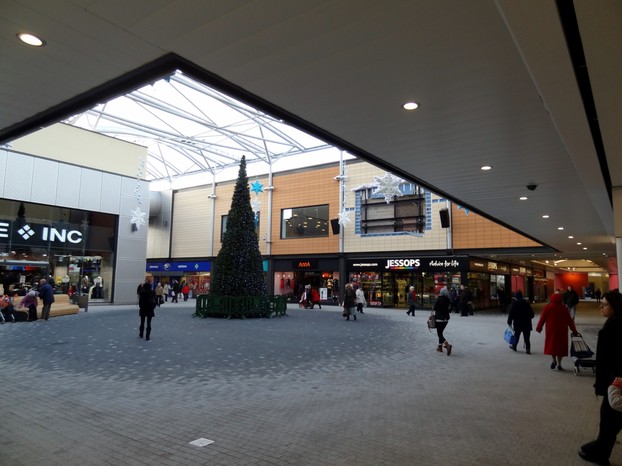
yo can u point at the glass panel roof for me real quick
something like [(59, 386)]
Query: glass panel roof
[(190, 128)]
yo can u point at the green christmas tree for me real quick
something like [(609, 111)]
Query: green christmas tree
[(238, 268)]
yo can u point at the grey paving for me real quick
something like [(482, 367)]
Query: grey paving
[(308, 389)]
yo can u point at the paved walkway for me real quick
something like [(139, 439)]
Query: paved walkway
[(308, 389)]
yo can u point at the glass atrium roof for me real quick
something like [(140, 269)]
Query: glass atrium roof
[(192, 129)]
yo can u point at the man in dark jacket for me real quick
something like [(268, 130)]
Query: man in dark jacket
[(520, 316), (46, 295), (571, 299)]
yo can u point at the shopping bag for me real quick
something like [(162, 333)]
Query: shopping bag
[(509, 336), (431, 321)]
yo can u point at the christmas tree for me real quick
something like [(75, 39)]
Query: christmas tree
[(238, 268)]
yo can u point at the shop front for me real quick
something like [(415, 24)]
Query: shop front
[(522, 280), (291, 276), (488, 280), (74, 249), (386, 281), (196, 274)]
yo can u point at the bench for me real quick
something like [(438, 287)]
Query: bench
[(60, 307)]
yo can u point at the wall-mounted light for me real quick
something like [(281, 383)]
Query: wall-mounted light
[(341, 178), (211, 196), (269, 188)]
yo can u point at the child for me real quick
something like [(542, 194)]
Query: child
[(615, 394)]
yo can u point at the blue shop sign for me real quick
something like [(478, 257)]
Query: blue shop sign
[(181, 267)]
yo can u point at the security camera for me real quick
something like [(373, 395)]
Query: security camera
[(532, 187)]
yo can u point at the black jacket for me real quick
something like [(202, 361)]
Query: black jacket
[(608, 354), (441, 308), (521, 314), (146, 301)]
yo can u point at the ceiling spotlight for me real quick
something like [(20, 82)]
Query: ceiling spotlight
[(570, 237), (485, 168), (585, 249), (560, 228), (410, 106), (31, 39), (545, 216), (522, 198), (579, 244)]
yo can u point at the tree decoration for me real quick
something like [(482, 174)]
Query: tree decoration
[(344, 218), (238, 268), (466, 211), (138, 216), (388, 186), (257, 188)]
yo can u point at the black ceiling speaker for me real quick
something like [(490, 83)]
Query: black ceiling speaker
[(444, 213)]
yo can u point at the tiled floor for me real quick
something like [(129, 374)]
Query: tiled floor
[(308, 389)]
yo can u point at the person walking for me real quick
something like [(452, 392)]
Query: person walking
[(608, 367), (175, 292), (46, 295), (442, 315), (349, 302), (146, 307), (159, 292), (359, 299), (166, 289), (571, 299), (315, 298), (519, 319), (557, 320), (412, 301), (597, 295), (466, 298)]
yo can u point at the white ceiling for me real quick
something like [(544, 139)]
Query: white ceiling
[(494, 79)]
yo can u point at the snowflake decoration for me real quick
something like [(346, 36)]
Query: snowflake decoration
[(257, 187), (466, 211), (256, 206), (388, 186), (138, 217), (344, 218)]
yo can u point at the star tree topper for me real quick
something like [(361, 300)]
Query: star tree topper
[(388, 186), (138, 217)]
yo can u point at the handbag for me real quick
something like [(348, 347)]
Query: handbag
[(509, 336), (431, 321)]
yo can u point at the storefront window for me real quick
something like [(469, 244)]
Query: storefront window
[(72, 248), (304, 222)]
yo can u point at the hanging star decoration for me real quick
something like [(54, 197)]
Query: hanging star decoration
[(257, 187), (388, 186), (344, 218), (466, 211), (256, 206), (138, 217)]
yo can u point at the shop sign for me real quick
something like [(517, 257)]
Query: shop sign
[(34, 234), (478, 265), (444, 264), (181, 267), (305, 264), (402, 264)]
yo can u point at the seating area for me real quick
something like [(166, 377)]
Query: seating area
[(61, 307), (240, 307)]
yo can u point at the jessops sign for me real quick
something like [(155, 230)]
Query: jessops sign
[(422, 264), (34, 234)]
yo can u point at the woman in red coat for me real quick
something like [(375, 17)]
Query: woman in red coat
[(557, 319)]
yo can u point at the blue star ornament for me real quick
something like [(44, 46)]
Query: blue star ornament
[(257, 187)]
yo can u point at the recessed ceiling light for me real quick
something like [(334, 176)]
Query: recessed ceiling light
[(560, 228), (579, 244), (523, 198), (585, 249), (31, 39), (485, 168), (545, 216), (570, 237), (410, 106)]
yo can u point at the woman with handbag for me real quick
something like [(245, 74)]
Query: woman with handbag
[(441, 315)]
